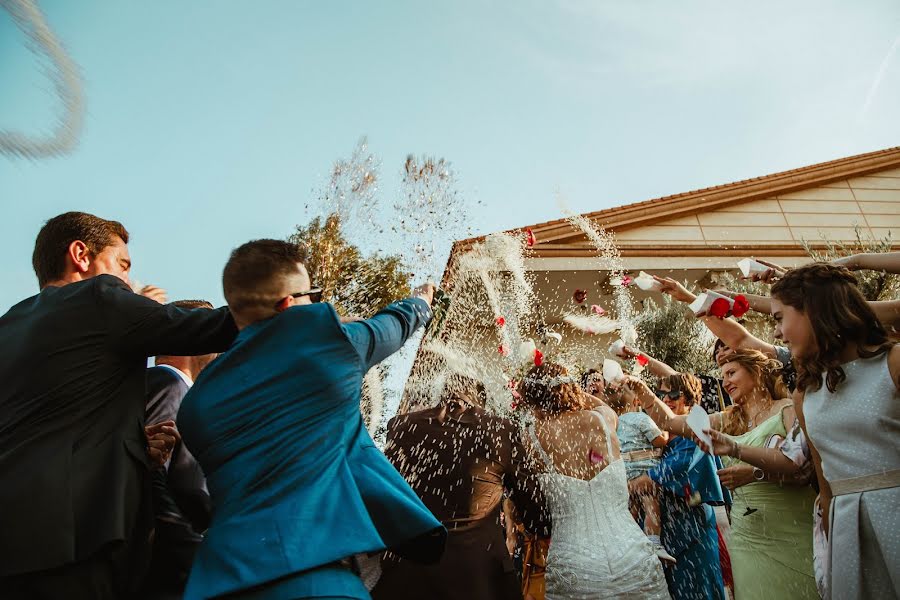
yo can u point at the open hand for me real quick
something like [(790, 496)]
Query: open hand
[(722, 445), (154, 293), (161, 440), (425, 292), (674, 289)]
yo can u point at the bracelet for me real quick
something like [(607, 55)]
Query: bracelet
[(736, 450)]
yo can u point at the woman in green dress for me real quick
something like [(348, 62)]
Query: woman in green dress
[(772, 517)]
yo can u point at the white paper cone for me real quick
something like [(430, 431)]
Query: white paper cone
[(617, 347), (612, 371), (698, 421), (647, 283), (751, 266), (704, 302), (526, 351)]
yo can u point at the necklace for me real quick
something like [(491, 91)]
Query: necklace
[(751, 423)]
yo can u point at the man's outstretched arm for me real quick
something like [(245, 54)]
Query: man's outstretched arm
[(377, 338)]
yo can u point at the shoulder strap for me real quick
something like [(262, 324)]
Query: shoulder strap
[(545, 458)]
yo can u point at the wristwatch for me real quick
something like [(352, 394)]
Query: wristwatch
[(758, 474)]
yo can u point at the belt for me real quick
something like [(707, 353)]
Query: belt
[(641, 455), (866, 483)]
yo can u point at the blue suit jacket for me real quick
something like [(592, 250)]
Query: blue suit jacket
[(295, 480)]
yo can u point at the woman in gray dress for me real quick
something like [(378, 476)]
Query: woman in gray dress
[(848, 402)]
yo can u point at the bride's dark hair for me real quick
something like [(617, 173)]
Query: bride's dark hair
[(549, 388)]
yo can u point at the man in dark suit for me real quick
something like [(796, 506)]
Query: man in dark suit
[(180, 497), (460, 458), (75, 515)]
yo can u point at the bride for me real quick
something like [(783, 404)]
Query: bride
[(598, 551)]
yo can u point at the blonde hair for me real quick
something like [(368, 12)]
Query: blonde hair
[(767, 371)]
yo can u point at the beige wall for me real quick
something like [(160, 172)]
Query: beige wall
[(872, 203)]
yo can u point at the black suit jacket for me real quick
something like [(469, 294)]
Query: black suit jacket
[(459, 461), (73, 462), (181, 501)]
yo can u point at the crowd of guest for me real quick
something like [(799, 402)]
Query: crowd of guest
[(239, 466)]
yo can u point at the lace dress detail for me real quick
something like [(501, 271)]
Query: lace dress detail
[(597, 550)]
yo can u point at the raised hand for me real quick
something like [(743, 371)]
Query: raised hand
[(769, 276), (154, 293), (425, 292), (674, 289)]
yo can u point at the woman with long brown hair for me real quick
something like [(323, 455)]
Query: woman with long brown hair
[(848, 398), (598, 550), (771, 534)]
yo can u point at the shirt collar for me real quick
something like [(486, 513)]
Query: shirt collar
[(184, 377)]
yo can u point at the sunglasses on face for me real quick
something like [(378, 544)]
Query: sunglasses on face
[(315, 294), (672, 395)]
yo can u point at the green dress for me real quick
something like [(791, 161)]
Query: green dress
[(771, 548)]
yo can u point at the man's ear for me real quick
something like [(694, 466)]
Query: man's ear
[(80, 256), (284, 304)]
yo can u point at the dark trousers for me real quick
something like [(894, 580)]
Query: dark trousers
[(96, 578)]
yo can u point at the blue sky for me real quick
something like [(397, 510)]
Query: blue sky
[(212, 123)]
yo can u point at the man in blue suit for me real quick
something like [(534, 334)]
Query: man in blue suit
[(297, 485)]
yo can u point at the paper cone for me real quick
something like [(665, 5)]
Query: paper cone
[(750, 267), (612, 371), (647, 283)]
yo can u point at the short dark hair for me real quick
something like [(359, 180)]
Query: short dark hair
[(687, 384), (719, 344), (255, 268), (192, 304), (54, 238)]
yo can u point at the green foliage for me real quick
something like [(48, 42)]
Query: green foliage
[(356, 285), (873, 284), (670, 334)]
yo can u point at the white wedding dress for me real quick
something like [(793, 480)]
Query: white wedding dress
[(597, 550)]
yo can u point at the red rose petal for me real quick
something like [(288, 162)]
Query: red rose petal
[(503, 349), (719, 308), (579, 296), (642, 360), (626, 281), (500, 321), (538, 358), (529, 237), (598, 310), (596, 457), (741, 306)]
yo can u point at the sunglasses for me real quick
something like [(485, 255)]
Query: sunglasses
[(315, 294), (673, 395)]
